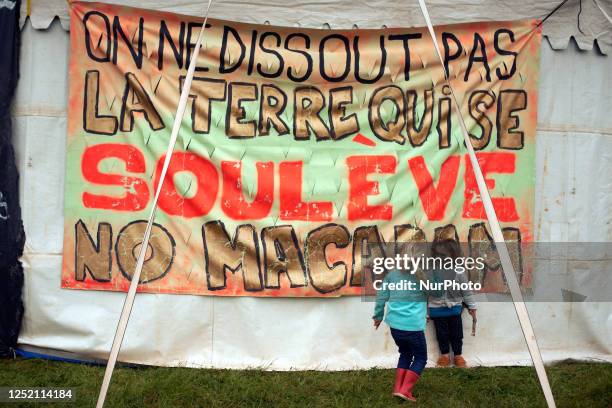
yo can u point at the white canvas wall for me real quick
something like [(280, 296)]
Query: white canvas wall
[(573, 198)]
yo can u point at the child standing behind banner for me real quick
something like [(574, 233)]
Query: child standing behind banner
[(407, 318), (445, 308)]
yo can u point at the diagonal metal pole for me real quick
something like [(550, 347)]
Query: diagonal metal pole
[(129, 299), (498, 237)]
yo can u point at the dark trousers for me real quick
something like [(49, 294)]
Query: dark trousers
[(412, 349), (449, 329)]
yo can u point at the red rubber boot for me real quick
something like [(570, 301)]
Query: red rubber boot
[(410, 379), (400, 373)]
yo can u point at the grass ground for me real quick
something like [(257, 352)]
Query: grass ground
[(574, 384)]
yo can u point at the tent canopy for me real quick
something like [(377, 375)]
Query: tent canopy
[(589, 22), (572, 204)]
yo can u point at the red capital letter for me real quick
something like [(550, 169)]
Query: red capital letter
[(291, 205), (136, 193), (434, 200), (505, 207), (360, 187), (233, 201), (175, 203)]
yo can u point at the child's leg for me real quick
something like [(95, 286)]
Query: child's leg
[(405, 357), (455, 330), (442, 333), (418, 346), (415, 342)]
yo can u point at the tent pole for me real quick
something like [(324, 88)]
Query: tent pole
[(507, 267), (129, 299)]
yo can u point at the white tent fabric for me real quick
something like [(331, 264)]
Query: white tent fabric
[(587, 21), (573, 198)]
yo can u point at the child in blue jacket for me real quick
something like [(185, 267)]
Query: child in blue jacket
[(406, 316)]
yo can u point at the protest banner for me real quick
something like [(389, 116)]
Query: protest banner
[(301, 150)]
